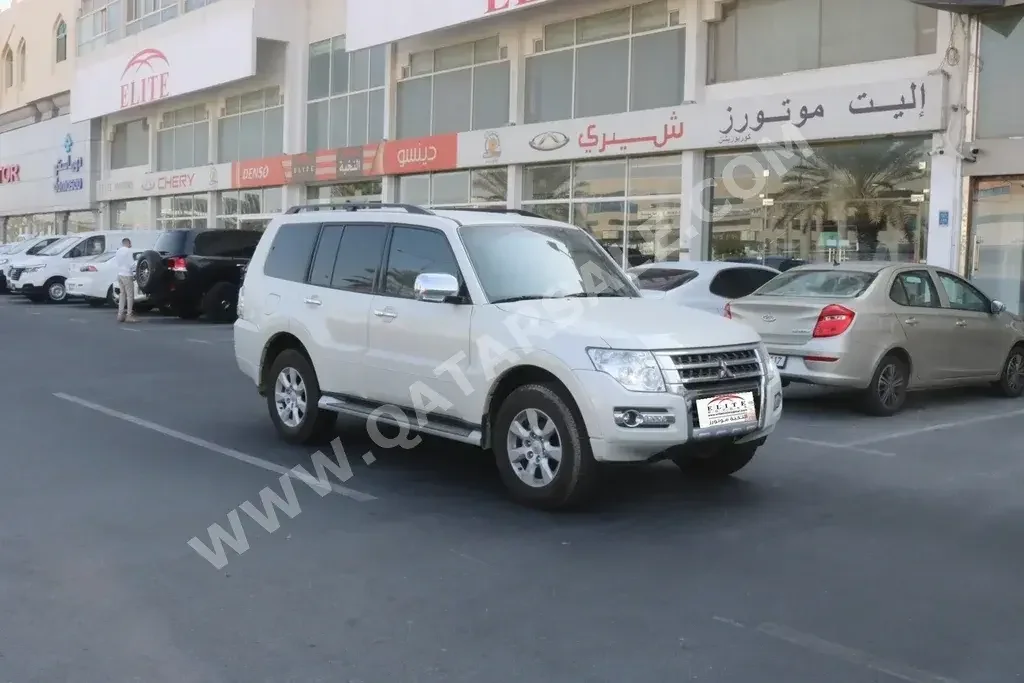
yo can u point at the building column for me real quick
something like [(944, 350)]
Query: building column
[(694, 215), (389, 184)]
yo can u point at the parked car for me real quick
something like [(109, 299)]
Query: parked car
[(707, 285), (884, 329), (779, 263), (392, 313), (27, 247), (96, 281), (197, 272), (43, 277)]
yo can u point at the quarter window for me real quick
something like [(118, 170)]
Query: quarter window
[(603, 64), (359, 257), (962, 296), (345, 95), (251, 126), (915, 289), (183, 139), (130, 146), (415, 251), (291, 251), (454, 89)]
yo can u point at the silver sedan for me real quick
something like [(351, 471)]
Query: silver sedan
[(885, 329)]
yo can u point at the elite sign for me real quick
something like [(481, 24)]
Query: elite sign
[(376, 22)]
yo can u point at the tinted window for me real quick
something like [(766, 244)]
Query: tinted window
[(90, 247), (227, 243), (359, 257), (291, 251), (172, 243), (414, 252), (734, 283), (819, 283), (663, 279), (326, 254), (915, 288), (962, 296)]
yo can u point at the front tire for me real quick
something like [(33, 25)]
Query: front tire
[(1011, 382), (887, 393), (221, 303), (542, 449), (56, 291), (293, 398), (725, 462)]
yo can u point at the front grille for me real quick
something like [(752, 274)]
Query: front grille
[(696, 368), (16, 273)]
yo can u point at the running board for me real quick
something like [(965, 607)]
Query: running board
[(442, 428)]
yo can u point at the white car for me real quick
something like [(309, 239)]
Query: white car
[(44, 277), (95, 281), (17, 250), (707, 285), (504, 330)]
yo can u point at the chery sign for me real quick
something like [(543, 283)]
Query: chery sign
[(146, 78), (375, 22)]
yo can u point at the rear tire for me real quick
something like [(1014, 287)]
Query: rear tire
[(313, 426), (1011, 382), (887, 393), (725, 462), (525, 452), (220, 303)]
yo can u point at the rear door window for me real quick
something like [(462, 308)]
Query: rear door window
[(227, 243), (291, 251), (915, 288), (663, 279), (359, 257), (326, 254)]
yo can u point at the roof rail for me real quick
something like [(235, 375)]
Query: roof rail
[(502, 209), (357, 206)]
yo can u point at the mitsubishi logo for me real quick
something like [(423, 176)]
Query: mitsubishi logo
[(768, 318), (723, 370)]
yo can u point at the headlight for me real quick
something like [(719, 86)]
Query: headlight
[(634, 370), (4, 261), (32, 269)]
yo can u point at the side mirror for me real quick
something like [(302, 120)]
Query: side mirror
[(997, 307), (436, 287)]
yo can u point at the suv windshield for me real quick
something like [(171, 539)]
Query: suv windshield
[(171, 242), (811, 283), (663, 279), (59, 246), (519, 262)]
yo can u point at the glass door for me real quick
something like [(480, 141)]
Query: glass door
[(996, 240)]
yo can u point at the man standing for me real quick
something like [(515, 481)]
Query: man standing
[(124, 261)]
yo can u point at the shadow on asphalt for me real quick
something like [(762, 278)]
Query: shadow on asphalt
[(808, 400)]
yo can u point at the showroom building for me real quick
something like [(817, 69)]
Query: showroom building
[(817, 129)]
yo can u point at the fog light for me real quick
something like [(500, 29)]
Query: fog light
[(633, 418), (777, 400)]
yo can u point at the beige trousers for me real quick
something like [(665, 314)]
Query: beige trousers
[(126, 301)]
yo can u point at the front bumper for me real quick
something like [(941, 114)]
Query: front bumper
[(611, 440)]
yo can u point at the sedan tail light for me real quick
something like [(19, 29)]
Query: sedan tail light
[(833, 321), (88, 269), (177, 265), (728, 311)]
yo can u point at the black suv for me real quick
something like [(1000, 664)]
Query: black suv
[(197, 272)]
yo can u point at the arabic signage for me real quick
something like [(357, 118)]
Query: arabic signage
[(130, 183), (69, 165), (166, 62), (887, 108), (376, 22), (423, 155)]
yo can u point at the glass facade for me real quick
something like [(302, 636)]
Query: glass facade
[(479, 187), (996, 244), (183, 139), (82, 221), (1002, 54), (20, 227), (365, 190), (345, 93), (248, 209), (188, 211), (863, 200), (251, 126), (132, 214)]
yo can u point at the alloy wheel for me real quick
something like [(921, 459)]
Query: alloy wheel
[(290, 397), (1015, 371), (891, 385), (534, 447), (57, 291)]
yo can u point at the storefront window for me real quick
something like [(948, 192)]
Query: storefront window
[(82, 221), (130, 214), (603, 64), (186, 212), (252, 126), (996, 253), (345, 95), (21, 227), (864, 200), (183, 139), (366, 190), (248, 209), (632, 206), (1002, 53), (758, 38), (479, 187), (454, 89), (130, 146)]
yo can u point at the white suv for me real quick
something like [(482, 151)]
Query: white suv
[(503, 330)]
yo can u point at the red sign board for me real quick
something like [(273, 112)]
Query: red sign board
[(421, 155), (268, 172), (10, 173)]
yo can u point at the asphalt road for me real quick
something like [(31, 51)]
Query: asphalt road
[(854, 550)]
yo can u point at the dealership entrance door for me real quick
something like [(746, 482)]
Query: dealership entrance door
[(996, 240)]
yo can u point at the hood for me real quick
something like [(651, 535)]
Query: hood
[(26, 261), (652, 294), (641, 323)]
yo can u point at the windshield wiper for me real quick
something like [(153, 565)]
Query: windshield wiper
[(525, 297), (587, 295)]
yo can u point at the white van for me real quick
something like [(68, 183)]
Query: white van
[(30, 246), (43, 277)]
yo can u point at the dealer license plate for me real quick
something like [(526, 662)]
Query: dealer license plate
[(727, 409), (780, 361)]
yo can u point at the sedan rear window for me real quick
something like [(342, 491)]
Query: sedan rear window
[(663, 279), (818, 283)]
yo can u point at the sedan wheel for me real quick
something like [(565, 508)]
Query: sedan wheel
[(1011, 382), (887, 392)]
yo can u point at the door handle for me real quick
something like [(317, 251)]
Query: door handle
[(910, 321), (312, 301), (387, 314), (961, 323)]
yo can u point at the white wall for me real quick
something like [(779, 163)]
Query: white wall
[(37, 149)]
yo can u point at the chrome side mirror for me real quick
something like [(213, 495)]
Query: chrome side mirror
[(997, 307), (436, 287)]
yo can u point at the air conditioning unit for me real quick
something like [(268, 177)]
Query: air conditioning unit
[(961, 6)]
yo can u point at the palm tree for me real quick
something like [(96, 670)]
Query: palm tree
[(859, 185)]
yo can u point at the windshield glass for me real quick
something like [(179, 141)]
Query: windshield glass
[(662, 279), (59, 246), (812, 283), (518, 262)]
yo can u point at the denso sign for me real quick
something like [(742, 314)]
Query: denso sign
[(146, 78)]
